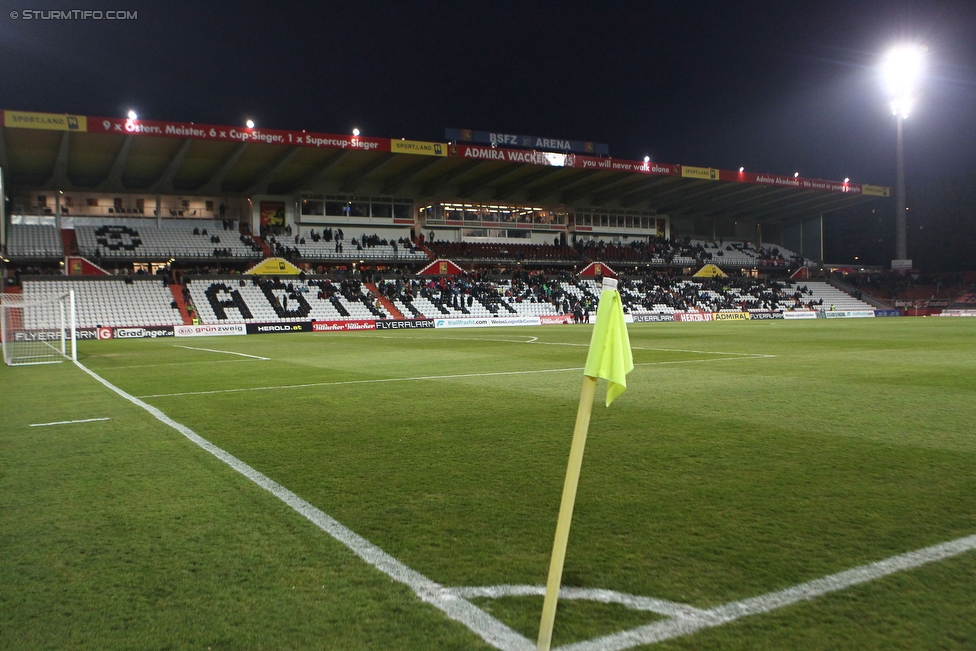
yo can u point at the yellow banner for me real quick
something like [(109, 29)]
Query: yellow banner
[(274, 267), (706, 173), (732, 316), (875, 190), (48, 121), (709, 271), (418, 147)]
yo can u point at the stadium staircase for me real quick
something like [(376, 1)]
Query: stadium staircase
[(871, 300), (384, 301), (177, 291), (265, 248), (69, 241)]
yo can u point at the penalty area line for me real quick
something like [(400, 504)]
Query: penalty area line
[(457, 608), (69, 422), (224, 352), (422, 378)]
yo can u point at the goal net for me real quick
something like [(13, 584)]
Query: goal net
[(37, 330)]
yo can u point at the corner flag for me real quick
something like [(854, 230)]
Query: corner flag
[(611, 359), (610, 356)]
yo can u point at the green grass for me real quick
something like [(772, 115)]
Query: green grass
[(719, 475)]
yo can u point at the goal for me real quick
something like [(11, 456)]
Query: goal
[(37, 330)]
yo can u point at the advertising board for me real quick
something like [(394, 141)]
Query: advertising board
[(266, 328), (487, 322), (335, 326), (404, 324), (210, 330)]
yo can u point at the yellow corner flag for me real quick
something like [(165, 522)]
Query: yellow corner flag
[(611, 359), (610, 356)]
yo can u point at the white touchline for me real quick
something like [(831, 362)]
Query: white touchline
[(457, 608), (682, 619), (225, 352), (69, 422), (420, 378)]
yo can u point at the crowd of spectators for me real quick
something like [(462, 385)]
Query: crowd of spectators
[(713, 294), (891, 285)]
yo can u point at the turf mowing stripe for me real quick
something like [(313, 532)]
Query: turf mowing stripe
[(435, 377), (225, 352), (457, 608), (681, 625), (69, 422)]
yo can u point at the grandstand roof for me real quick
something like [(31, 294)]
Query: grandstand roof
[(99, 154)]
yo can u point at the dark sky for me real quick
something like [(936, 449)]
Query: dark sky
[(776, 87)]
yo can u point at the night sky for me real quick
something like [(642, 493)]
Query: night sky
[(776, 87)]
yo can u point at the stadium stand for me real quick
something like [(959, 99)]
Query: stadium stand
[(148, 301), (140, 239), (485, 252), (137, 301), (367, 247), (834, 299), (264, 300), (34, 241)]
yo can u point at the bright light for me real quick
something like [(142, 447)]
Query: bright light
[(796, 175), (355, 132), (132, 115), (847, 179), (902, 69), (250, 124), (742, 169), (647, 159)]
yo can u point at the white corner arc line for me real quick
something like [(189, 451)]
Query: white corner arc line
[(69, 422), (681, 625), (633, 602), (457, 608), (225, 352)]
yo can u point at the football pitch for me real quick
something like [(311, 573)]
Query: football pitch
[(760, 485)]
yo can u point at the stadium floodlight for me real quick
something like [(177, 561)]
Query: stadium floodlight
[(250, 124), (902, 71), (132, 115), (355, 132), (39, 330)]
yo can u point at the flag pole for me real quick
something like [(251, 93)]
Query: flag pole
[(609, 357), (566, 513)]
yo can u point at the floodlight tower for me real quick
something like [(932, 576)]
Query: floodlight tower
[(902, 70)]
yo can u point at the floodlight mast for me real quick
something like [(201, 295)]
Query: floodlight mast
[(902, 69)]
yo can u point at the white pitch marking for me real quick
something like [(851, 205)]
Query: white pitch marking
[(225, 352), (634, 602), (681, 625), (209, 361), (373, 381), (69, 422), (457, 608), (535, 340), (434, 377), (451, 602)]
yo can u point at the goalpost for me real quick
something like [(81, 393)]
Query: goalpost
[(38, 330)]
